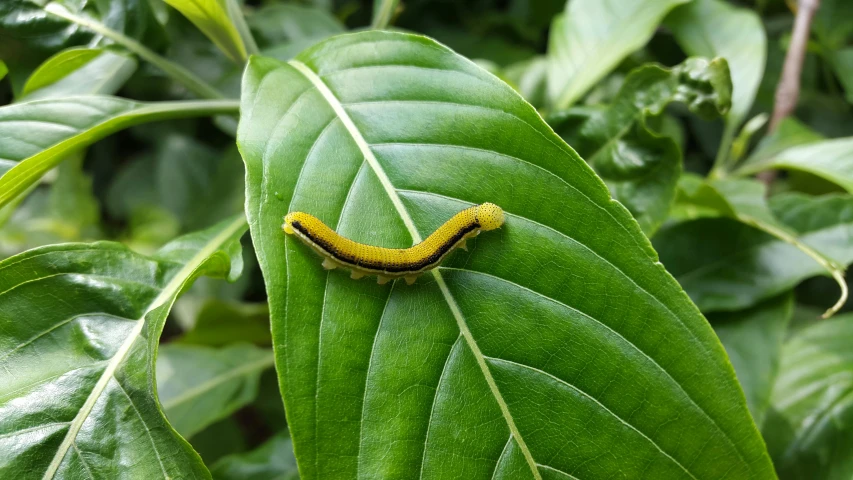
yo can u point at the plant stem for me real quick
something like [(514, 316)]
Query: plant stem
[(179, 73), (836, 271), (788, 89), (382, 15)]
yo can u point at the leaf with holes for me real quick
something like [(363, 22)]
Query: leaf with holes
[(557, 347), (81, 324)]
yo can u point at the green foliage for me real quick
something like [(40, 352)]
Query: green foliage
[(648, 310)]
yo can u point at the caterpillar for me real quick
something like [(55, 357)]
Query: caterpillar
[(392, 263)]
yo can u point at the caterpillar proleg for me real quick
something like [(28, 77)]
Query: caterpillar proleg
[(392, 263)]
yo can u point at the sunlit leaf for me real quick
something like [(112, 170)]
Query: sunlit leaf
[(211, 17), (80, 71), (81, 325), (560, 329)]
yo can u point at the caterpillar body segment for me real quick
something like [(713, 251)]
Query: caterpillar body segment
[(392, 263)]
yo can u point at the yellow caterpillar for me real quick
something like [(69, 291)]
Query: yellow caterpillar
[(392, 263)]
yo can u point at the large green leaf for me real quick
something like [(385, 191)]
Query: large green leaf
[(829, 159), (200, 385), (640, 165), (591, 37), (80, 71), (810, 427), (39, 134), (753, 339), (727, 264), (715, 28), (558, 346), (81, 324)]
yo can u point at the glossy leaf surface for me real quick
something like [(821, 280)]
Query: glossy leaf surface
[(640, 165), (81, 325), (544, 352), (40, 134), (591, 37), (810, 428), (200, 385)]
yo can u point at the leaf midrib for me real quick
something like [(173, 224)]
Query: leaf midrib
[(391, 191), (169, 291)]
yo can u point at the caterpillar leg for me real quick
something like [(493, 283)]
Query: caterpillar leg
[(382, 280), (410, 279), (355, 275), (464, 245), (329, 264)]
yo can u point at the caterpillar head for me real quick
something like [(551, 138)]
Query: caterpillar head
[(489, 216), (288, 222)]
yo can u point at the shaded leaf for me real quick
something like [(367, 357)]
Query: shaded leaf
[(81, 324), (789, 133), (211, 17), (753, 339), (79, 71), (715, 28), (222, 322), (383, 12), (641, 166), (810, 428), (41, 133), (274, 460), (591, 37), (724, 264), (507, 353), (284, 30), (530, 78), (199, 385)]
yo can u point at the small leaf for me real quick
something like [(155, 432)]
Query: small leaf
[(81, 325), (39, 134), (640, 166), (591, 37), (211, 17), (714, 28), (809, 429), (383, 12), (530, 78), (79, 71), (274, 460), (200, 385), (725, 264), (3, 70), (554, 331), (753, 339)]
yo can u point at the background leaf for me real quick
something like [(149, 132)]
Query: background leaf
[(273, 460), (387, 380), (200, 385), (79, 71), (211, 17), (727, 265), (64, 125), (641, 166), (829, 159), (753, 339), (591, 37), (715, 28), (810, 429), (112, 312)]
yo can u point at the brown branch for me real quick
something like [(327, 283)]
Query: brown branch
[(788, 90)]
